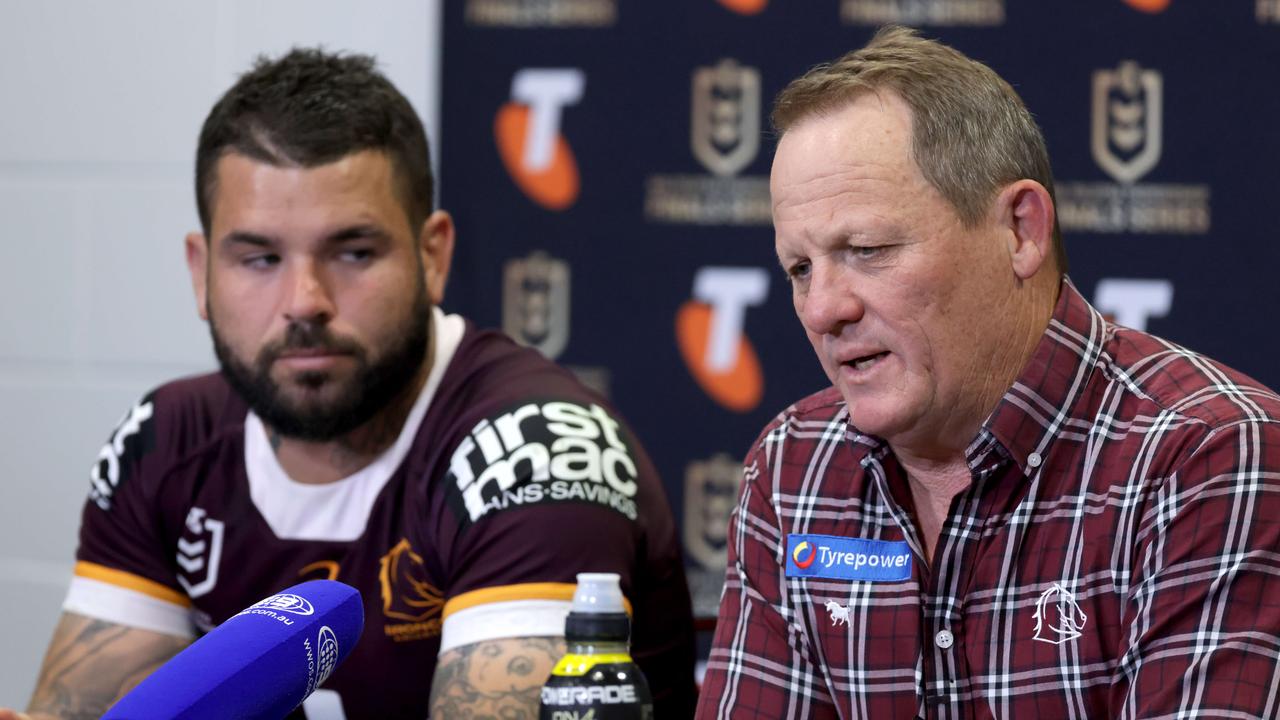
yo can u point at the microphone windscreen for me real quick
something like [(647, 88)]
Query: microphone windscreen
[(258, 665)]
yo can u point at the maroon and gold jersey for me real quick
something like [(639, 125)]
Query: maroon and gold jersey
[(507, 479)]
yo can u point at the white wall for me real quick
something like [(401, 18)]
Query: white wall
[(100, 106)]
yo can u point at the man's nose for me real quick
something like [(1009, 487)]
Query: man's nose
[(310, 298), (829, 302)]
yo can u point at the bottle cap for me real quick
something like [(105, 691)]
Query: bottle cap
[(598, 593), (597, 612)]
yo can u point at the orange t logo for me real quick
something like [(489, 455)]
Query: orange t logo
[(1149, 6), (745, 7), (527, 132), (709, 334)]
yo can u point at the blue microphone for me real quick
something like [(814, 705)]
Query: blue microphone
[(260, 664)]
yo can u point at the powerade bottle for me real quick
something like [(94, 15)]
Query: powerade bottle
[(596, 679)]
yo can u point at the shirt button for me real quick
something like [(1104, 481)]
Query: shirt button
[(1034, 460), (944, 639)]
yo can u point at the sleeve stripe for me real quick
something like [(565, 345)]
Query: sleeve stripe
[(129, 581), (122, 606), (507, 593), (504, 619)]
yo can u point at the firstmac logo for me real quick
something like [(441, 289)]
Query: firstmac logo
[(538, 453), (527, 133)]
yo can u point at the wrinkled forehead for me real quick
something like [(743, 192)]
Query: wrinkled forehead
[(859, 153), (870, 128)]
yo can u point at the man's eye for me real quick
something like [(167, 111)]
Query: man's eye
[(867, 252), (260, 262), (798, 271), (357, 255)]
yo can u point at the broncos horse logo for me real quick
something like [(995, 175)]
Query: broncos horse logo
[(1058, 617)]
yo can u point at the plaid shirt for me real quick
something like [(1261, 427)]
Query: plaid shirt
[(1117, 554)]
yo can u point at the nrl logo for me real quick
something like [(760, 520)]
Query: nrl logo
[(1058, 617), (725, 133), (535, 302), (1127, 120), (710, 492), (199, 553)]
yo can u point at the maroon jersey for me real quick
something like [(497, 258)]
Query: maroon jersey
[(508, 478)]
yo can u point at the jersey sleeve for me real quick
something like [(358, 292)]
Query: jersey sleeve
[(121, 573), (541, 490)]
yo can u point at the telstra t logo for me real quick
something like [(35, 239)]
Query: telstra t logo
[(527, 132), (745, 7), (709, 333), (1149, 6)]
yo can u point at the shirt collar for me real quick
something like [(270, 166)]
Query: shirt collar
[(1037, 408)]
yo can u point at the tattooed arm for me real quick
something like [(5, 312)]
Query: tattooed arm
[(494, 678), (91, 663)]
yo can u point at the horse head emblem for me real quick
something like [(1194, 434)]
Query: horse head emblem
[(1058, 617)]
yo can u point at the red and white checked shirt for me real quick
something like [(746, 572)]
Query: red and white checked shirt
[(1124, 489)]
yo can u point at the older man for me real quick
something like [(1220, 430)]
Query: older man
[(1005, 506)]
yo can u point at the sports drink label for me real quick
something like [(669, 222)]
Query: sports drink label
[(596, 687), (843, 558)]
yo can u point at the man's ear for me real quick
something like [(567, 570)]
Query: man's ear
[(1026, 211), (198, 265), (435, 243)]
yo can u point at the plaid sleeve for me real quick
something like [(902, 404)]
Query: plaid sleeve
[(1202, 620), (761, 663)]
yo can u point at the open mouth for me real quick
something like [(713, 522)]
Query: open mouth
[(865, 362)]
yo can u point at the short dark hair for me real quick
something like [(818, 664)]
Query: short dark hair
[(311, 107)]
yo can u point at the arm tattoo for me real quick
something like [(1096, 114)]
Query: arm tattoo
[(499, 679), (91, 663)]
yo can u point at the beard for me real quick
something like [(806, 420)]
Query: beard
[(316, 416)]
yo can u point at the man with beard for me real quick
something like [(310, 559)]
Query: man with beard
[(358, 433)]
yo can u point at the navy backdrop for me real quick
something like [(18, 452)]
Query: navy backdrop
[(606, 162)]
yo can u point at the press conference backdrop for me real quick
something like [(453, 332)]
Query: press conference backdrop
[(607, 160)]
